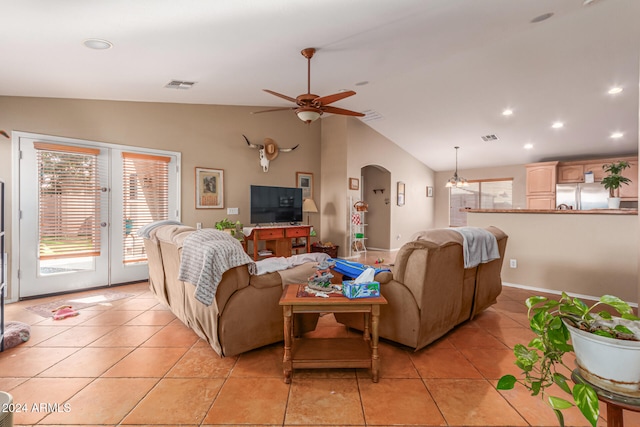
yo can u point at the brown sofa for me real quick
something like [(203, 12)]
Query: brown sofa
[(245, 314), (429, 291)]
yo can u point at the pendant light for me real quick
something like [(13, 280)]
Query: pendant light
[(455, 180)]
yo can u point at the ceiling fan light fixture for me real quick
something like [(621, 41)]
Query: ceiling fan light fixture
[(308, 115)]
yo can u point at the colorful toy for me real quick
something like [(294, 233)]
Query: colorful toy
[(321, 279)]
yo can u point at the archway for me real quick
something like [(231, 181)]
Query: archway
[(376, 191)]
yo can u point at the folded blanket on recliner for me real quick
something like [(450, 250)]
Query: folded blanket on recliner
[(479, 245), (145, 231), (206, 255)]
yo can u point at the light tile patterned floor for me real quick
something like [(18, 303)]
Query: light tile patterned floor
[(134, 363)]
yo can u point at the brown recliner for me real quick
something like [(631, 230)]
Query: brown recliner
[(429, 291), (245, 313)]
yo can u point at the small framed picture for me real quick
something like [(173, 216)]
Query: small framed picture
[(304, 180), (354, 184), (209, 188), (429, 191), (400, 200)]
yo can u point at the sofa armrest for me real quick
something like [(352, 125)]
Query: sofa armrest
[(383, 277)]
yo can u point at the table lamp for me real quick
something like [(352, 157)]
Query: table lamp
[(308, 206)]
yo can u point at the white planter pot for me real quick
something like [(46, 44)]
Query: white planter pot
[(614, 202), (608, 363)]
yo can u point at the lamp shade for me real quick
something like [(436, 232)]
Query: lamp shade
[(308, 205), (308, 114)]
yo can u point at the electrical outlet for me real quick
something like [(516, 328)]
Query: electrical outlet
[(199, 225), (513, 263), (232, 211)]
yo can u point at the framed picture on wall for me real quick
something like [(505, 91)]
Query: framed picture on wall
[(354, 184), (400, 200), (429, 191), (304, 180), (209, 188)]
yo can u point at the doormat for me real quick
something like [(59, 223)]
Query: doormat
[(78, 303)]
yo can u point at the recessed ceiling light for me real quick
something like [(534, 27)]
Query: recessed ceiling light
[(528, 146), (542, 17), (614, 90), (616, 135), (97, 44), (507, 112), (362, 83), (557, 125)]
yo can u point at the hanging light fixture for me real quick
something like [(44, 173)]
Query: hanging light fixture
[(455, 180)]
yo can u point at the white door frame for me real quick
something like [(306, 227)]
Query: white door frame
[(14, 283)]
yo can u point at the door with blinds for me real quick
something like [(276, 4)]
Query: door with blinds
[(81, 207)]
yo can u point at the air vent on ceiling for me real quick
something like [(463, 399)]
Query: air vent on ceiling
[(179, 84), (489, 138), (371, 115)]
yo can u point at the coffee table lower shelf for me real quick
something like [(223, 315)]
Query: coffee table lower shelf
[(308, 353)]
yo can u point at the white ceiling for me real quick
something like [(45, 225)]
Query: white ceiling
[(440, 72)]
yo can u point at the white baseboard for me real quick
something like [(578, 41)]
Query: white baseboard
[(552, 291)]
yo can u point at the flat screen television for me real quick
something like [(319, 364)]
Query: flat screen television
[(275, 204)]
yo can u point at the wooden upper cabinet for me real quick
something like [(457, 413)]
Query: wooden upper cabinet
[(541, 178), (570, 173), (630, 191), (596, 168)]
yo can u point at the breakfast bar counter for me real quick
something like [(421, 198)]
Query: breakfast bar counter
[(559, 211), (582, 252)]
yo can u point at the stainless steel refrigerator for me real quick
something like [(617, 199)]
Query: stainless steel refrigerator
[(582, 196)]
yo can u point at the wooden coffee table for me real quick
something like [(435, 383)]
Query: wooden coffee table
[(330, 352)]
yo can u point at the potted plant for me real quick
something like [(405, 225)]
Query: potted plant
[(614, 180), (555, 323), (233, 228)]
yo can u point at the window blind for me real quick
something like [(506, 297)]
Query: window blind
[(145, 199), (68, 201)]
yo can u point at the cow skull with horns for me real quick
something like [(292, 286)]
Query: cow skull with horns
[(268, 151)]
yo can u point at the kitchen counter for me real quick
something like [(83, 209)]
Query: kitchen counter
[(556, 211)]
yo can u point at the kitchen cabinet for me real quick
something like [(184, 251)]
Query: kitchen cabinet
[(541, 178), (569, 174), (541, 185), (541, 202), (596, 168), (630, 192)]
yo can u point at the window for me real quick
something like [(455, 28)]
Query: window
[(145, 199), (68, 201), (479, 194)]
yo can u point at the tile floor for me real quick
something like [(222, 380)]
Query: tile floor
[(133, 363)]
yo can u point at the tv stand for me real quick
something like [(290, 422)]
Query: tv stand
[(279, 241)]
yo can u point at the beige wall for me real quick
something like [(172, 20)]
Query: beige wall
[(368, 147), (516, 172), (206, 135), (588, 254)]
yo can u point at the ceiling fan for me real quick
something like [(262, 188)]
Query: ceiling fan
[(309, 107)]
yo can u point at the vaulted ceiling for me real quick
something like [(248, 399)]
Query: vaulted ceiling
[(431, 74)]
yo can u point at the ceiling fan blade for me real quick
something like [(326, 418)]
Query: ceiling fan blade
[(274, 109), (336, 110), (288, 98), (326, 100)]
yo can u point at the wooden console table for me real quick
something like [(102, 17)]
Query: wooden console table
[(278, 240), (330, 352)]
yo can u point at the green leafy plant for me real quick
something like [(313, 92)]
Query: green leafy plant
[(541, 360), (614, 179), (225, 224)]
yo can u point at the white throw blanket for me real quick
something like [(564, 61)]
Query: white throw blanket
[(206, 255), (145, 231), (479, 245), (269, 265)]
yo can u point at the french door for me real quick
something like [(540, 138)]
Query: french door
[(80, 205)]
